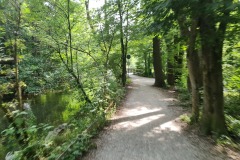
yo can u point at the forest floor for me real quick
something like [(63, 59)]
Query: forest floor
[(148, 127)]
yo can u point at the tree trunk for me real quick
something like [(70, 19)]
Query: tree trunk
[(213, 119), (195, 76), (194, 70), (213, 116), (123, 49), (17, 83), (194, 81), (157, 63), (124, 67), (15, 53)]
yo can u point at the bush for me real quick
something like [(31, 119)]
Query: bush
[(232, 105), (233, 125)]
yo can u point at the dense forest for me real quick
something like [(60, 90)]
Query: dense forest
[(77, 54)]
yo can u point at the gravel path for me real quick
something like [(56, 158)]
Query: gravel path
[(147, 127)]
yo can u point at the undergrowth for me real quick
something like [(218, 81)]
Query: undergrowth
[(232, 115), (65, 141)]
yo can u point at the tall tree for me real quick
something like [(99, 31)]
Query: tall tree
[(189, 37), (212, 38), (13, 46), (211, 21), (63, 40), (124, 45), (157, 63)]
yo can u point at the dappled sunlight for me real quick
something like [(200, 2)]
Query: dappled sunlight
[(139, 110), (129, 125), (165, 127), (134, 118), (169, 99), (171, 125), (147, 127)]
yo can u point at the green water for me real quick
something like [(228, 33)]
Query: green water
[(53, 108)]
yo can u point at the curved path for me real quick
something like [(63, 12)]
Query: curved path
[(147, 127)]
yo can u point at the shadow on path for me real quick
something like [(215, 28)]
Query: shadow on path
[(145, 128)]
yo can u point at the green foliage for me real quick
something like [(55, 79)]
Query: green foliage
[(227, 141), (71, 59), (42, 74), (129, 81), (231, 73), (141, 55), (185, 118), (232, 105), (44, 140), (3, 150), (233, 125), (231, 68), (184, 96), (59, 49)]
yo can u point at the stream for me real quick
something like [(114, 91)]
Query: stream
[(52, 108)]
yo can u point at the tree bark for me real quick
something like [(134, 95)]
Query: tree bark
[(194, 80), (195, 75), (15, 52), (193, 62), (157, 63), (213, 120), (194, 70), (123, 49), (213, 116)]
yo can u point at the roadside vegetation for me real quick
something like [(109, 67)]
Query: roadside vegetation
[(69, 48)]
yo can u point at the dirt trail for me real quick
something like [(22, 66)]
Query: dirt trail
[(147, 128)]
